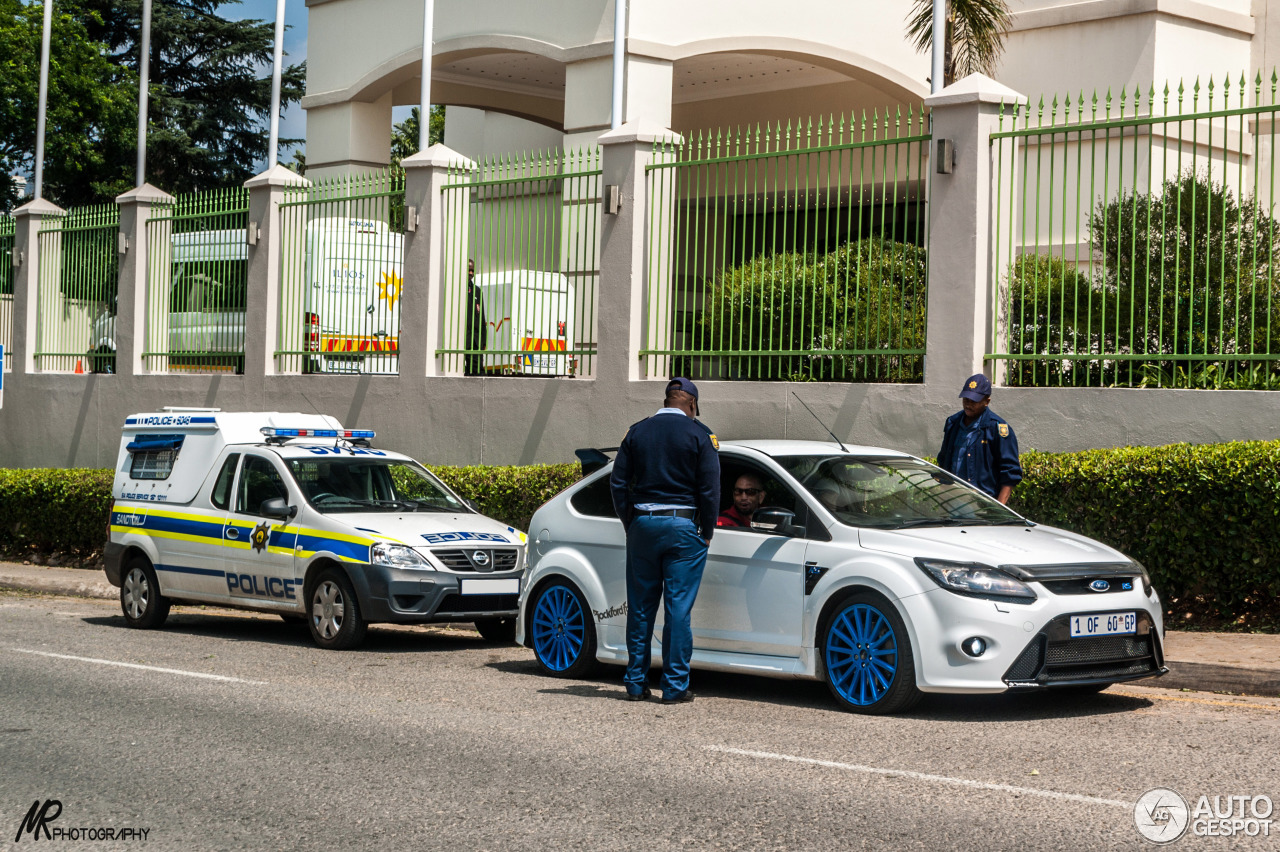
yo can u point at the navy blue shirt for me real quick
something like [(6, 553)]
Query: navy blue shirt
[(989, 460), (668, 459)]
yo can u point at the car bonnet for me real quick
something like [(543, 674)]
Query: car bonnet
[(1013, 545), (428, 529)]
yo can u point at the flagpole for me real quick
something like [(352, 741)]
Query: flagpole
[(619, 60), (273, 145), (144, 91), (939, 43), (44, 97), (424, 97)]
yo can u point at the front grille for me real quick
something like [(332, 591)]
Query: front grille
[(1054, 657), (463, 559), (1080, 585), (456, 604)]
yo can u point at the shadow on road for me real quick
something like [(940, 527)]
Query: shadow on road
[(1018, 707)]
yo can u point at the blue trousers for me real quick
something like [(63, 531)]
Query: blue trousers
[(665, 558)]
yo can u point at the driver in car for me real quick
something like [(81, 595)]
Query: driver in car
[(748, 495)]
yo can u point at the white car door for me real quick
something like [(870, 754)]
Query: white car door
[(260, 550), (752, 595)]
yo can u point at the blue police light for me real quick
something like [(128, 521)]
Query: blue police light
[(349, 434)]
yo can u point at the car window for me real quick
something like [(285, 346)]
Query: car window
[(379, 485), (893, 493), (776, 494), (259, 482), (594, 499), (221, 496)]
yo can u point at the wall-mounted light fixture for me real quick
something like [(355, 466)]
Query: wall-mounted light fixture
[(122, 242), (946, 157), (612, 199), (411, 219), (253, 235)]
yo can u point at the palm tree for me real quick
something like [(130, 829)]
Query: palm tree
[(974, 36)]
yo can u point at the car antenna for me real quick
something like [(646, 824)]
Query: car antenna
[(843, 448)]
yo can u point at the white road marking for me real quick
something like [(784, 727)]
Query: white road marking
[(139, 666), (922, 776)]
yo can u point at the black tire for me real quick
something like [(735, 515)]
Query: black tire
[(866, 656), (561, 631), (500, 631), (143, 606), (334, 616)]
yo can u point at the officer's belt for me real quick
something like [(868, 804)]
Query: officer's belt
[(669, 513)]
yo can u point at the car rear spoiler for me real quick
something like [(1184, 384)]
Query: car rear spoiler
[(593, 459)]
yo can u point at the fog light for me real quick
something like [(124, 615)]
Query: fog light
[(974, 646)]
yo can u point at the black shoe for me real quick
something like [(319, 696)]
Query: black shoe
[(683, 698), (639, 696)]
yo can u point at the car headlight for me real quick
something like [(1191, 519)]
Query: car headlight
[(398, 556), (975, 580), (1146, 578)]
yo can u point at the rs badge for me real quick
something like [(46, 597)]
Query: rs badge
[(261, 535)]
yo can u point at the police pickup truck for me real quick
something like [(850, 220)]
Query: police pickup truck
[(292, 514)]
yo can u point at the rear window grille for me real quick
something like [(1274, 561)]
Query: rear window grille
[(152, 464)]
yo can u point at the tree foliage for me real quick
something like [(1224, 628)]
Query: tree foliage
[(210, 99), (404, 136), (92, 110), (974, 35), (1187, 270), (833, 314)]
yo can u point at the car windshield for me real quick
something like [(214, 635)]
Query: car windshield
[(362, 484), (894, 493)]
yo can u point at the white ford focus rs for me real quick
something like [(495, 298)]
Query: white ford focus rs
[(873, 570)]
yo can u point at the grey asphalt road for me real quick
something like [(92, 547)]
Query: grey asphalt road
[(231, 731)]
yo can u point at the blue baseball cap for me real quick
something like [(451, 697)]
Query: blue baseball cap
[(683, 384), (977, 388)]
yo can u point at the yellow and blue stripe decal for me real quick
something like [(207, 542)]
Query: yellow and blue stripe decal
[(200, 528)]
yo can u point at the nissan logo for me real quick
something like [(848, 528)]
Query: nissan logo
[(1099, 585), (480, 558)]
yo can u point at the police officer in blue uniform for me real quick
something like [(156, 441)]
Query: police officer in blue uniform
[(666, 490), (978, 445)]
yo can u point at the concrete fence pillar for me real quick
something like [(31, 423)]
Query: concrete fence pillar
[(962, 274), (29, 218), (623, 260), (435, 263), (131, 300), (262, 337)]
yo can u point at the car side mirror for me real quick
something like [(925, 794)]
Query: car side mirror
[(777, 521), (277, 508), (472, 505)]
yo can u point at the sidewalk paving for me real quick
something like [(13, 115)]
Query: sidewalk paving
[(1238, 663)]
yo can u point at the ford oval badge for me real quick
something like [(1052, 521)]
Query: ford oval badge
[(1099, 585)]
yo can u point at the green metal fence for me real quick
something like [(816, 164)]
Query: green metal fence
[(78, 280), (1136, 238), (790, 252), (197, 277), (7, 226), (342, 275), (521, 261)]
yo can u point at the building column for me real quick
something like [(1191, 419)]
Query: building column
[(348, 137), (131, 300), (29, 218), (963, 277), (435, 262), (263, 335), (624, 263)]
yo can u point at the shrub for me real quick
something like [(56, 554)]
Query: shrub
[(1204, 520), (510, 494)]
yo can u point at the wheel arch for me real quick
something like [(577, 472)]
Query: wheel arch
[(837, 597)]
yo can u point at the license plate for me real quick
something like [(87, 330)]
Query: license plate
[(491, 587), (1104, 624)]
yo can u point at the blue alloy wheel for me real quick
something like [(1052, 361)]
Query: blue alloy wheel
[(564, 641), (867, 657)]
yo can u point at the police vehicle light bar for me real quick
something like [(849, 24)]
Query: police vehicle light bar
[(349, 434)]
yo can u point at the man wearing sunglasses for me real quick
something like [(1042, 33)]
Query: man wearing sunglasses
[(748, 495)]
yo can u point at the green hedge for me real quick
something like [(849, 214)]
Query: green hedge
[(65, 511), (1204, 519)]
